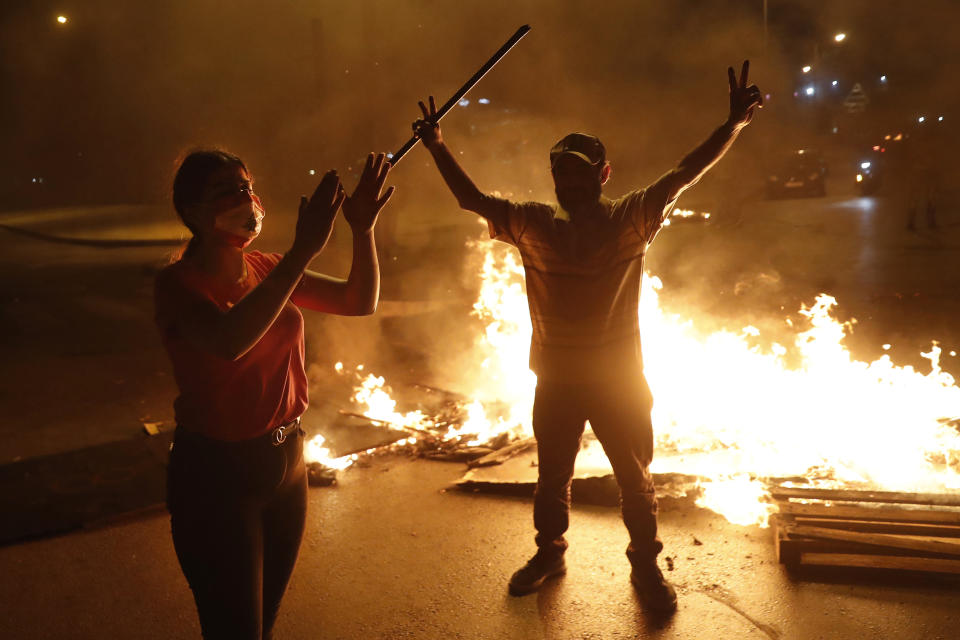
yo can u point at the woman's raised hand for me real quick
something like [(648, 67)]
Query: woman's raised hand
[(364, 204), (315, 220)]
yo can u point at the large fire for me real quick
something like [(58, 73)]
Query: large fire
[(727, 410)]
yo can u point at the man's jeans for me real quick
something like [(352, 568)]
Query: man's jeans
[(619, 413)]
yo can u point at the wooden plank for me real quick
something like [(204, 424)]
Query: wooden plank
[(872, 526), (385, 423), (928, 565), (786, 553), (870, 513), (849, 495), (459, 454), (912, 543), (790, 548), (504, 453)]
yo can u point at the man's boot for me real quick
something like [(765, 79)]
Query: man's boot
[(655, 592), (538, 569)]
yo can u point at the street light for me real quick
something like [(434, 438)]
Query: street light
[(62, 19), (810, 91), (840, 37), (764, 26)]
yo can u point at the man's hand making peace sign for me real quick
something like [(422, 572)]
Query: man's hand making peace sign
[(743, 99)]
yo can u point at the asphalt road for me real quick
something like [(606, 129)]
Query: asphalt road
[(389, 553)]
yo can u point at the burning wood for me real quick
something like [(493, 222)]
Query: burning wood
[(384, 423), (875, 529), (434, 442), (504, 453), (320, 475), (787, 403), (459, 454), (832, 527), (442, 427), (322, 467)]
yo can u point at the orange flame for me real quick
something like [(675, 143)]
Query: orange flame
[(730, 411)]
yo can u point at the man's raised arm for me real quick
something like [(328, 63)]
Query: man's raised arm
[(468, 196), (743, 100)]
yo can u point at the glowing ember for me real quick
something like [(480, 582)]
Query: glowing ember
[(685, 213), (727, 410), (381, 407), (739, 498), (504, 346), (314, 451), (830, 417)]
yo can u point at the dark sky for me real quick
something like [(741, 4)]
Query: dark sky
[(103, 105)]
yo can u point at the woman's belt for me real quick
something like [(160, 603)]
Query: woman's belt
[(281, 433)]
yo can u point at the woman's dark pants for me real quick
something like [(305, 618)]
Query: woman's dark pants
[(237, 512)]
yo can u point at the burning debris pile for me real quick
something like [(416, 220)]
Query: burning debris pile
[(444, 426), (729, 411)]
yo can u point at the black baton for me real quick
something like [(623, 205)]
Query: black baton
[(462, 91)]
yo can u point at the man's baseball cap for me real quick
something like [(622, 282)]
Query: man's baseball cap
[(584, 146)]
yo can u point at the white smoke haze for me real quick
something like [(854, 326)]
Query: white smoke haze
[(103, 108)]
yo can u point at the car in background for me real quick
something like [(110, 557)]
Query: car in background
[(882, 163), (801, 173), (869, 174)]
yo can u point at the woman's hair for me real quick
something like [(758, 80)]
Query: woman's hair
[(191, 179)]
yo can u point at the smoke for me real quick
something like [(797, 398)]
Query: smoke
[(115, 93), (103, 105)]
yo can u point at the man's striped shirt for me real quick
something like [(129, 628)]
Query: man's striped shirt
[(583, 280)]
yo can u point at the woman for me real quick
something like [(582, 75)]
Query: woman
[(231, 324)]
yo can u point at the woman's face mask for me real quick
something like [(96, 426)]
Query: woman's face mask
[(238, 217)]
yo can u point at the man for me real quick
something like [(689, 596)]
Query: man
[(583, 262), (920, 172)]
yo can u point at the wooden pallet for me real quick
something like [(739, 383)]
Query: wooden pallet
[(875, 529)]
